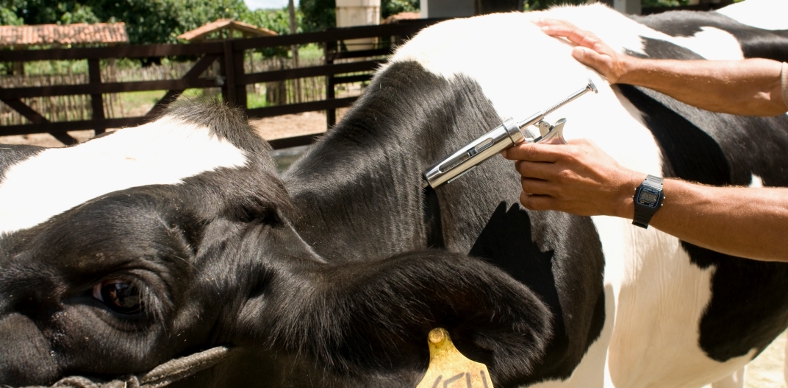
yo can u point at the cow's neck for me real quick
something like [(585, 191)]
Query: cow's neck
[(359, 190)]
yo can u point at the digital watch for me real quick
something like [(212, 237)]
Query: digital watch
[(648, 199)]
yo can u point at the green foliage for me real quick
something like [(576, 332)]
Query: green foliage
[(664, 3), (147, 21), (274, 20), (321, 14), (318, 14), (393, 7), (52, 11), (8, 17), (534, 5)]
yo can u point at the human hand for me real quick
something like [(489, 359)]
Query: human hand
[(577, 178), (589, 50)]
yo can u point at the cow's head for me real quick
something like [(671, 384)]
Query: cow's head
[(159, 241)]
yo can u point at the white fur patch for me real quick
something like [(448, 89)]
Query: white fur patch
[(712, 43), (765, 14), (55, 180), (756, 181)]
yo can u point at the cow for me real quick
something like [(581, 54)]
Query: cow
[(160, 241)]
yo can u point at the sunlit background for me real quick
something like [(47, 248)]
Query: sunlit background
[(267, 4)]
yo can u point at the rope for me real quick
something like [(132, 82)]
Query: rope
[(160, 376)]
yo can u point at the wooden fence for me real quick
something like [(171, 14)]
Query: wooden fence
[(233, 78)]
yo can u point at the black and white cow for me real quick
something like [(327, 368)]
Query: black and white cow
[(162, 240)]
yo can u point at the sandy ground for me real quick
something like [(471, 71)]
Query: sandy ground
[(269, 128), (766, 371)]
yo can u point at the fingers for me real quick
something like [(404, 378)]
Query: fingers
[(533, 152), (537, 202), (564, 29)]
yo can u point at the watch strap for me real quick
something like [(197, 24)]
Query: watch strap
[(644, 213)]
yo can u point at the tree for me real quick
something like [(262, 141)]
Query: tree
[(393, 7), (147, 21), (321, 14), (318, 14)]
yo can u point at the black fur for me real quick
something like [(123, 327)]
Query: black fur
[(362, 185), (216, 261)]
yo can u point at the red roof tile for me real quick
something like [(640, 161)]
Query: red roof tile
[(201, 32), (54, 34)]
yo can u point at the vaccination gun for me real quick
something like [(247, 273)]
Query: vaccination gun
[(510, 133)]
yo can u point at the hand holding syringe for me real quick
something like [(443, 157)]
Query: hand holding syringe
[(502, 137)]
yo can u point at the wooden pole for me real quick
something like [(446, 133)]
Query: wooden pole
[(294, 48)]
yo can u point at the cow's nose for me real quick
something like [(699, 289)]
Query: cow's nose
[(26, 357)]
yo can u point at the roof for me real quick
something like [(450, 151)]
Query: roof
[(401, 16), (247, 29), (55, 34)]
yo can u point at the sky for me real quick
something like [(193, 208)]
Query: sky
[(265, 4)]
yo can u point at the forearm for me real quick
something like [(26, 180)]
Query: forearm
[(749, 87), (739, 221)]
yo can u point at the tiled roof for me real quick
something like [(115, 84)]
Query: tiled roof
[(55, 34), (200, 33), (401, 16)]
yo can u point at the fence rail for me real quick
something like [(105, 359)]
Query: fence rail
[(339, 67)]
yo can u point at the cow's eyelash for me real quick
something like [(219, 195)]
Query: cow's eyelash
[(151, 305)]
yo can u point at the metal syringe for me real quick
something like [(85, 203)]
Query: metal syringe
[(508, 134)]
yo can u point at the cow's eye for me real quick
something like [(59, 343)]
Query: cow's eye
[(119, 295)]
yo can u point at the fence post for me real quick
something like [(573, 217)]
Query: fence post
[(328, 53), (240, 88), (96, 102), (228, 68)]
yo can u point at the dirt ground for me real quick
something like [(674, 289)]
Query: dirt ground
[(269, 128), (766, 371)]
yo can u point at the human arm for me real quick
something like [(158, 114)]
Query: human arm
[(745, 87), (580, 178)]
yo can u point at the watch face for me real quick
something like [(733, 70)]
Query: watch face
[(648, 197)]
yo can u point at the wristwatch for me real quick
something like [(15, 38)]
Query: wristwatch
[(648, 199)]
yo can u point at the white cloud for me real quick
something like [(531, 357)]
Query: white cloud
[(267, 4)]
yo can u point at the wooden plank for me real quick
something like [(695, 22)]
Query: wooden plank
[(234, 87), (96, 102), (64, 138), (163, 103), (161, 50), (312, 71), (311, 106), (24, 110), (132, 51), (104, 88), (228, 89), (352, 78), (335, 34), (63, 126), (295, 141), (203, 64), (361, 53), (238, 73)]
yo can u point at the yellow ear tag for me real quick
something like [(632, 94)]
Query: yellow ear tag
[(449, 368)]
